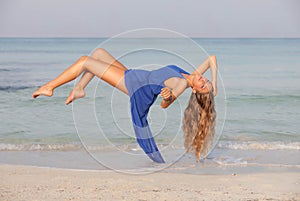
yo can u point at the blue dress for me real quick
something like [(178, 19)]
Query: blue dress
[(143, 88)]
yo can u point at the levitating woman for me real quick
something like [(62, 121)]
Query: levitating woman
[(143, 87)]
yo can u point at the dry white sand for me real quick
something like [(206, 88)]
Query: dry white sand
[(48, 184)]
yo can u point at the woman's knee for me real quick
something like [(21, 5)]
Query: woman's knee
[(99, 52), (83, 60)]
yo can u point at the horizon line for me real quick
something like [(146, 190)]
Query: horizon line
[(196, 37)]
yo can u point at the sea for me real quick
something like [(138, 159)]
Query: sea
[(257, 105)]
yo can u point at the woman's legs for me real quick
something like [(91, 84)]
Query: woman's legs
[(98, 54), (68, 75), (108, 72)]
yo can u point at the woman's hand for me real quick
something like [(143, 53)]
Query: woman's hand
[(168, 97), (166, 93), (210, 62)]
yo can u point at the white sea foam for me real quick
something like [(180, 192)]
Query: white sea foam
[(249, 145), (254, 145), (38, 147), (232, 161), (229, 160)]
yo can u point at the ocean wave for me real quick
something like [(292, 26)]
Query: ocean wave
[(73, 147), (14, 88), (264, 98), (232, 161), (4, 70), (251, 145), (39, 147), (62, 147), (134, 147)]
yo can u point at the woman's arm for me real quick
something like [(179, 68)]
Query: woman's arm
[(170, 95), (210, 62)]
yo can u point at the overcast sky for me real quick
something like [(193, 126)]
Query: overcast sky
[(194, 18)]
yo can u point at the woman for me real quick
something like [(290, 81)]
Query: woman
[(143, 87)]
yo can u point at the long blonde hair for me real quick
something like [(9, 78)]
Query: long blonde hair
[(199, 123)]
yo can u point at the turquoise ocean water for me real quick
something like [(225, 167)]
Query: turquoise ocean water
[(258, 104)]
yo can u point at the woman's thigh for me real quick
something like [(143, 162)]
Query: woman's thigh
[(111, 74), (102, 55)]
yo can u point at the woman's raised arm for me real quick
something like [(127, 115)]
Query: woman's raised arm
[(210, 62)]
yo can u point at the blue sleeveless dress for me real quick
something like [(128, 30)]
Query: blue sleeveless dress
[(143, 88)]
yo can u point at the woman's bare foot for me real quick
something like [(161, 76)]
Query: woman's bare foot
[(76, 93), (43, 90)]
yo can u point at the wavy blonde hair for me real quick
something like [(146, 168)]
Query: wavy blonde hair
[(199, 124)]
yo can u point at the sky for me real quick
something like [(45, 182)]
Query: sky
[(193, 18)]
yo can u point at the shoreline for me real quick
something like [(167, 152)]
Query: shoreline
[(43, 183), (220, 161)]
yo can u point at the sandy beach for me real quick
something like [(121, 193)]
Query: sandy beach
[(41, 183)]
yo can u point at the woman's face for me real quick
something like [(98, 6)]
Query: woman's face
[(201, 84)]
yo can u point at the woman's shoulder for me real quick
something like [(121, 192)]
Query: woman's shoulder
[(177, 69)]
